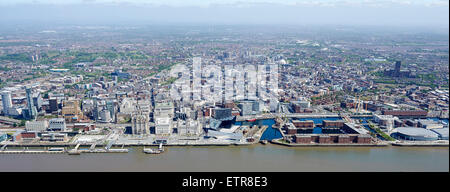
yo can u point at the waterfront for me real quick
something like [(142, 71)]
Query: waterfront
[(241, 158)]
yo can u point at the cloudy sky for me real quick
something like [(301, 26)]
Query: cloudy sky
[(432, 13)]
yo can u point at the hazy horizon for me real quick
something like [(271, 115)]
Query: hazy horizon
[(399, 13)]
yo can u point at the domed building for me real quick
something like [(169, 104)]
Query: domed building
[(414, 134)]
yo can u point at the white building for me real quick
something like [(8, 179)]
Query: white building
[(163, 115), (36, 126), (385, 121), (163, 125)]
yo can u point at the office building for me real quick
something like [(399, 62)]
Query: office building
[(53, 105), (222, 113), (105, 116), (189, 127), (6, 101), (36, 126), (57, 124), (397, 72), (32, 112), (163, 125), (249, 107), (53, 137), (397, 68), (385, 121), (71, 111), (37, 101)]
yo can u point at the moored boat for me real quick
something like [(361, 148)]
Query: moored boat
[(74, 152), (151, 151)]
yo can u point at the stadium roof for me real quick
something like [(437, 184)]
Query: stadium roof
[(443, 132), (417, 132)]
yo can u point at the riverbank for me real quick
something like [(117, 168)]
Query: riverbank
[(420, 144), (274, 141), (278, 142)]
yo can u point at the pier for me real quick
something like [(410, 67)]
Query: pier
[(31, 152), (421, 144), (379, 144)]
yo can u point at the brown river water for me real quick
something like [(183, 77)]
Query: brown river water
[(267, 158)]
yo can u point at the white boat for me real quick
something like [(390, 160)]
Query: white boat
[(74, 152), (151, 151)]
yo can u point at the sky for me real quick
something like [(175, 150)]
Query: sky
[(419, 13)]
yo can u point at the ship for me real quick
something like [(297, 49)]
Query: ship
[(251, 120), (74, 152), (152, 151)]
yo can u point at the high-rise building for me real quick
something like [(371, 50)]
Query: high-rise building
[(7, 102), (111, 107), (37, 100), (53, 104), (31, 108), (397, 72), (397, 68), (95, 111)]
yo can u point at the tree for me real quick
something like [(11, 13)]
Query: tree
[(22, 123)]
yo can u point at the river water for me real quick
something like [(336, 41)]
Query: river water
[(241, 158)]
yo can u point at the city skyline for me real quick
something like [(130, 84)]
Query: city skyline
[(260, 85)]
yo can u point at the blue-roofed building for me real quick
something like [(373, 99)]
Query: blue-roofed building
[(120, 74)]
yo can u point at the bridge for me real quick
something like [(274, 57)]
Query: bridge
[(76, 147), (92, 146), (4, 147), (110, 143)]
